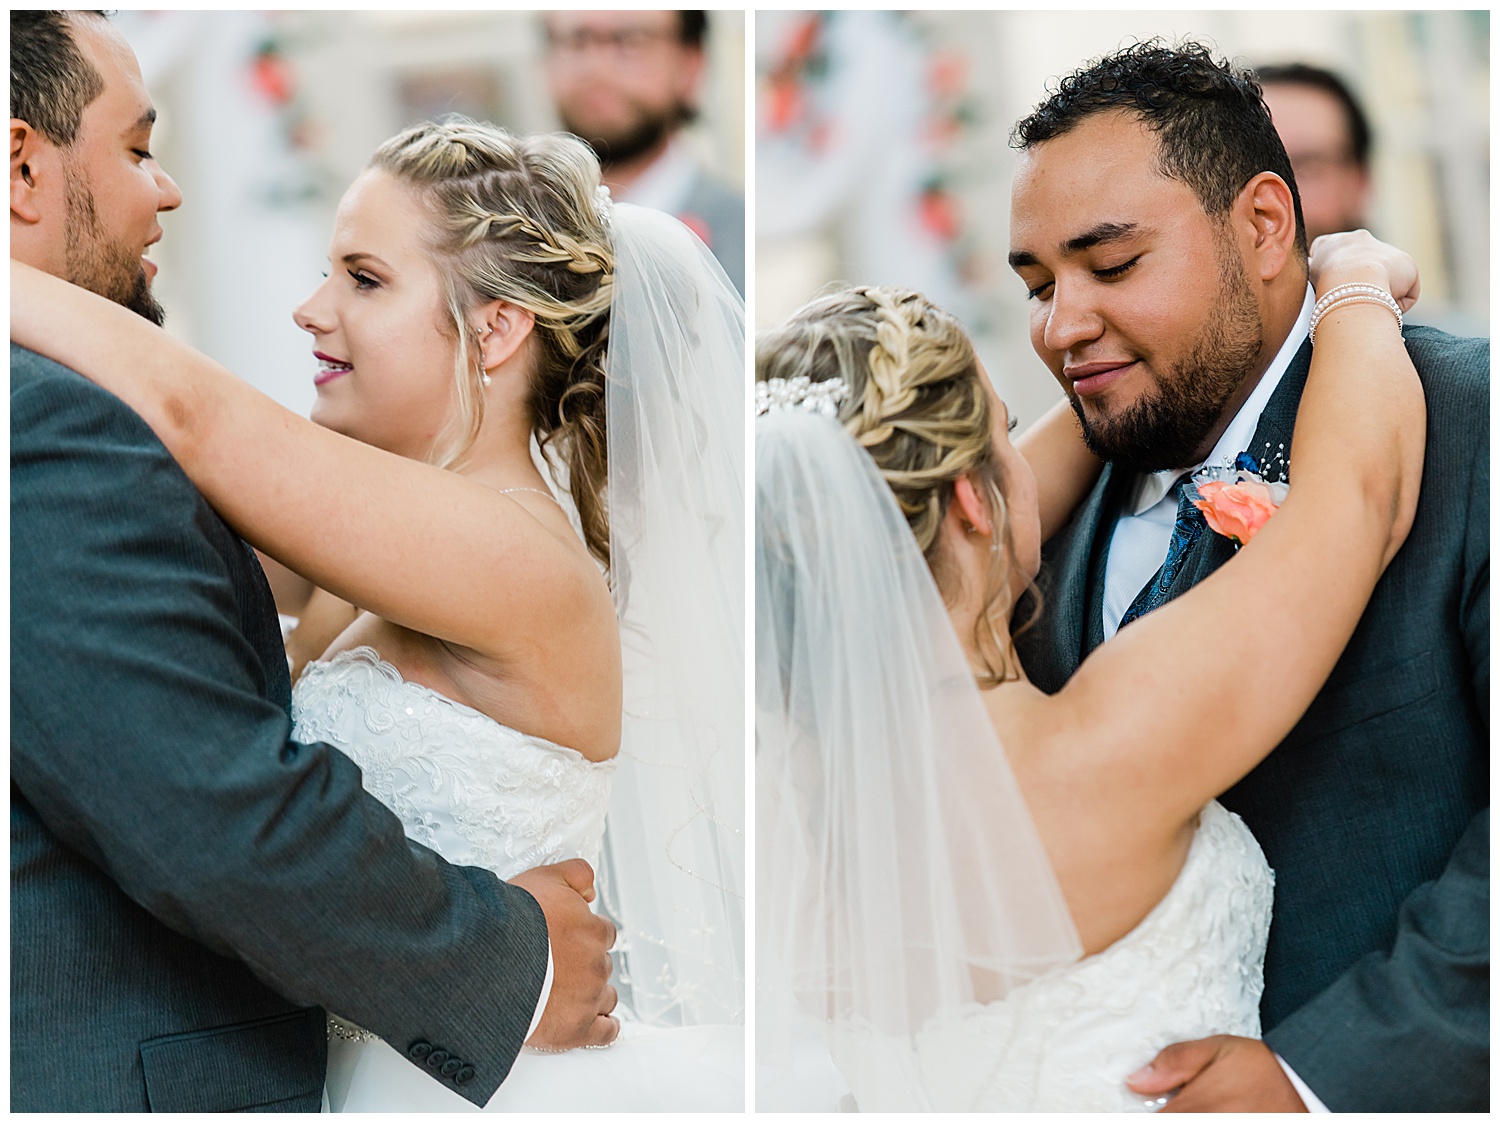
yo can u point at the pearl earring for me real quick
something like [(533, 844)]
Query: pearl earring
[(485, 379)]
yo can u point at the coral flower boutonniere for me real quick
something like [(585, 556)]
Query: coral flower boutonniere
[(1237, 501)]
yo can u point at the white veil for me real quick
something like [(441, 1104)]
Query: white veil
[(899, 877), (673, 870)]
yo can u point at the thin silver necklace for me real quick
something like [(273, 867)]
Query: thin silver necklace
[(539, 491)]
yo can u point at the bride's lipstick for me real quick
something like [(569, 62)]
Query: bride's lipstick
[(1096, 377), (329, 368)]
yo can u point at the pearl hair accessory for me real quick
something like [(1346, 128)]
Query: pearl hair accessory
[(800, 393), (1357, 292), (603, 204)]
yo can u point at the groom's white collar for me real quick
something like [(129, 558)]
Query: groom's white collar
[(666, 184), (1152, 488)]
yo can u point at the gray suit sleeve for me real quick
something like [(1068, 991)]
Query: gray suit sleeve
[(1409, 1030), (143, 735), (1475, 608)]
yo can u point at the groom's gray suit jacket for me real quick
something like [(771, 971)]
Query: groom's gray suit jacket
[(1374, 812), (189, 887)]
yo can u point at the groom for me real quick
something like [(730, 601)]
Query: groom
[(190, 887), (1177, 323)]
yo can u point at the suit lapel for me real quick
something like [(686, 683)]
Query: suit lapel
[(1115, 481), (1052, 650), (1273, 437), (1077, 559)]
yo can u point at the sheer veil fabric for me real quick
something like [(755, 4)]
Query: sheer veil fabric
[(673, 871), (899, 876)]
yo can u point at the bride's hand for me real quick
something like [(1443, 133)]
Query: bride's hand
[(1357, 255)]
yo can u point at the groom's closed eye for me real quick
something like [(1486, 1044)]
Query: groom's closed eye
[(1117, 270)]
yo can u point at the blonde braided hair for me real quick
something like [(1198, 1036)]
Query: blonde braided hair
[(917, 405), (517, 219)]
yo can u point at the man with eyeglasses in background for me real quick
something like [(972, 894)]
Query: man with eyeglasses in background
[(628, 82), (1327, 138)]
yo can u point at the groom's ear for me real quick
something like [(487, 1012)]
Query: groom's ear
[(506, 327), (1269, 218), (30, 155)]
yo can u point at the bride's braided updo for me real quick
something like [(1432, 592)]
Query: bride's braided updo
[(517, 218), (918, 406)]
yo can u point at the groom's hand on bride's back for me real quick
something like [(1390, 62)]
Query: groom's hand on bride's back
[(1220, 1073), (579, 1007)]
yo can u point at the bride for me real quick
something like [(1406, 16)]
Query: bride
[(974, 896), (537, 514)]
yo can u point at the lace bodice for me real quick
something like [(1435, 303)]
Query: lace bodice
[(475, 791), (1190, 969)]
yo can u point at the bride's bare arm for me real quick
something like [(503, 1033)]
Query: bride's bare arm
[(1065, 469), (1184, 702), (424, 548)]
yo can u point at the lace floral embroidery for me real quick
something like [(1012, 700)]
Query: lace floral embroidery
[(475, 791), (1192, 968), (463, 785)]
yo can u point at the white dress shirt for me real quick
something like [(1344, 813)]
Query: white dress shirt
[(1309, 1097), (666, 184), (541, 1002), (1141, 538)]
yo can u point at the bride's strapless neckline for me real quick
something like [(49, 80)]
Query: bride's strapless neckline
[(478, 792), (365, 655)]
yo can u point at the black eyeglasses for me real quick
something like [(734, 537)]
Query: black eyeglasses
[(624, 42)]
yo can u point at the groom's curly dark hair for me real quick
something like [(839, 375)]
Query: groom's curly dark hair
[(51, 83), (1214, 132)]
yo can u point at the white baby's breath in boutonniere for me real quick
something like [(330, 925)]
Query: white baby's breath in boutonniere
[(1237, 500)]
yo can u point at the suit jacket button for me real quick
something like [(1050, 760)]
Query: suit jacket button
[(450, 1066), (437, 1057), (418, 1050), (464, 1075)]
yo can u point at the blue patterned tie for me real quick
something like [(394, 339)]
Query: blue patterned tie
[(1185, 532)]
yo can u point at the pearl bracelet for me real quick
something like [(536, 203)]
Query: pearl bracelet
[(1353, 293), (1351, 287)]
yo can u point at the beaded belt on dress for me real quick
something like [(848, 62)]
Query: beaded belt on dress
[(347, 1031)]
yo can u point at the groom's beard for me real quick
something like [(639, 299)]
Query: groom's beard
[(95, 263), (623, 145), (1166, 428)]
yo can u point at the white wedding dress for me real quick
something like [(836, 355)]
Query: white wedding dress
[(481, 794), (1066, 1042), (918, 953)]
